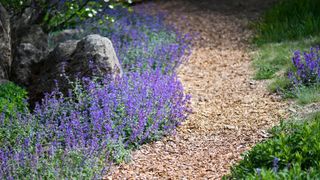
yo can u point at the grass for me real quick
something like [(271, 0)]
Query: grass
[(274, 60), (289, 20), (307, 95)]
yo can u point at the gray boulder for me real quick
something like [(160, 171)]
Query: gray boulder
[(94, 55), (30, 48), (5, 44)]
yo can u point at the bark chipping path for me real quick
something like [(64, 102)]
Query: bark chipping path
[(231, 111)]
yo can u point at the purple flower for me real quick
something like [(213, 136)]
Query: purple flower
[(275, 164), (306, 67)]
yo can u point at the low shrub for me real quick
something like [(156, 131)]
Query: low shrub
[(292, 152), (12, 99), (76, 136)]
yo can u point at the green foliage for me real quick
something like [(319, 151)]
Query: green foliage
[(296, 146), (289, 20), (294, 173), (288, 26), (303, 94), (119, 152), (12, 99), (56, 15), (293, 152), (75, 164)]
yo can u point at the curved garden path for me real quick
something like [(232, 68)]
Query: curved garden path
[(231, 110)]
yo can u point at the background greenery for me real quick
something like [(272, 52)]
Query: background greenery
[(289, 20)]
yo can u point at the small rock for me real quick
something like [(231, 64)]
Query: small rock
[(292, 110), (230, 127), (65, 35), (252, 83)]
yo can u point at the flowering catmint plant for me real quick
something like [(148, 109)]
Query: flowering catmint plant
[(144, 39), (306, 67), (141, 40), (76, 135)]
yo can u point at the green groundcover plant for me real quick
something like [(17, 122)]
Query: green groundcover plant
[(293, 152)]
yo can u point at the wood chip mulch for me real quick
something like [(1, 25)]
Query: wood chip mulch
[(231, 111)]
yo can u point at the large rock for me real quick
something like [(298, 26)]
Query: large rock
[(30, 47), (5, 44), (94, 55)]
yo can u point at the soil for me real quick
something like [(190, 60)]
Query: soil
[(231, 111)]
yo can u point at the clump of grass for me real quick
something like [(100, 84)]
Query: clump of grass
[(307, 95), (289, 20), (279, 85), (303, 95), (292, 152)]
